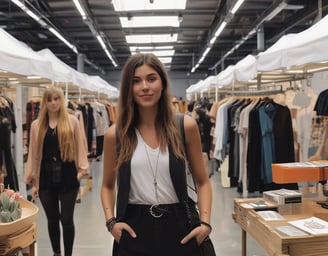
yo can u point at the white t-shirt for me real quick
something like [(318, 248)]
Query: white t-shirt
[(142, 189)]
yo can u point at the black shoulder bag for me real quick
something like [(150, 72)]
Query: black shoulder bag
[(206, 247)]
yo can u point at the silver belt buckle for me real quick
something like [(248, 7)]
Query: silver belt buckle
[(153, 213)]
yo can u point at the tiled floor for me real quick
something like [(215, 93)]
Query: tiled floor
[(92, 237)]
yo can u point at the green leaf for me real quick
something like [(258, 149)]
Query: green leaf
[(5, 216)]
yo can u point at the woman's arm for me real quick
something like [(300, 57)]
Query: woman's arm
[(198, 168), (32, 169), (81, 151), (108, 186)]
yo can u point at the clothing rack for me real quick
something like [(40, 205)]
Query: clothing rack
[(254, 92)]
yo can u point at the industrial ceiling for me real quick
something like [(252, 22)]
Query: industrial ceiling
[(251, 29)]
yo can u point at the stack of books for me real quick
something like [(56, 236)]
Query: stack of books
[(283, 196), (288, 201)]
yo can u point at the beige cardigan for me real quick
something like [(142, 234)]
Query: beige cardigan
[(32, 170)]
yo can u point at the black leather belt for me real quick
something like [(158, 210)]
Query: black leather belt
[(156, 210)]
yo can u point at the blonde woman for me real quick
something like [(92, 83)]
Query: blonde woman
[(57, 160), (144, 153)]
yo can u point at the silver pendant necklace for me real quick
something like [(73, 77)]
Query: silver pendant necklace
[(154, 172)]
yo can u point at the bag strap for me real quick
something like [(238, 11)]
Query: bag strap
[(190, 205), (180, 117)]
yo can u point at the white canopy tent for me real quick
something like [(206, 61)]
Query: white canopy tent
[(96, 82), (308, 46), (195, 87), (18, 58), (245, 69), (225, 77), (63, 72)]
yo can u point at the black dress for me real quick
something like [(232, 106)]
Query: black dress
[(69, 171)]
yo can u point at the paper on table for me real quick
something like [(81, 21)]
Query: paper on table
[(312, 225), (270, 215), (290, 231)]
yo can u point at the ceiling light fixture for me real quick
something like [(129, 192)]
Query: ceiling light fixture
[(43, 21), (94, 31), (38, 18), (59, 36), (149, 21), (158, 53), (269, 17), (146, 5), (80, 9), (217, 33), (236, 6), (148, 39), (213, 39)]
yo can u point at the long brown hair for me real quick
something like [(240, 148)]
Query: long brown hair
[(64, 127), (128, 115)]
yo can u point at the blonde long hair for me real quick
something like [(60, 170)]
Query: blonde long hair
[(64, 126), (128, 115)]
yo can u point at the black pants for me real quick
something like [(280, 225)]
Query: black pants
[(63, 213), (157, 236)]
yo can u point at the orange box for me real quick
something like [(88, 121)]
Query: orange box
[(287, 173), (325, 173)]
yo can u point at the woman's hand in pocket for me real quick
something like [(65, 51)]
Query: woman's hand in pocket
[(118, 228)]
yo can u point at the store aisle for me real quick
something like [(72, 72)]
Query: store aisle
[(92, 237)]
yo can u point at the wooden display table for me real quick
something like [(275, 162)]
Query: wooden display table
[(17, 241), (274, 243)]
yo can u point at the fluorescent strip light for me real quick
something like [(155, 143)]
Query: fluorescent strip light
[(26, 10), (80, 9), (220, 29), (206, 51), (58, 35), (142, 5), (150, 21), (18, 3), (102, 43), (236, 7), (158, 53), (33, 15), (150, 48), (44, 24), (213, 39), (141, 39), (278, 9), (201, 60), (110, 57), (166, 60)]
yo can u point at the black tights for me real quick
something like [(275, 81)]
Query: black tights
[(64, 213)]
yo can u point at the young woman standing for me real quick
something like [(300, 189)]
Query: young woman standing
[(144, 156)]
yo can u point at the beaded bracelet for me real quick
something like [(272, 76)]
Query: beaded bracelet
[(110, 224), (206, 224)]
